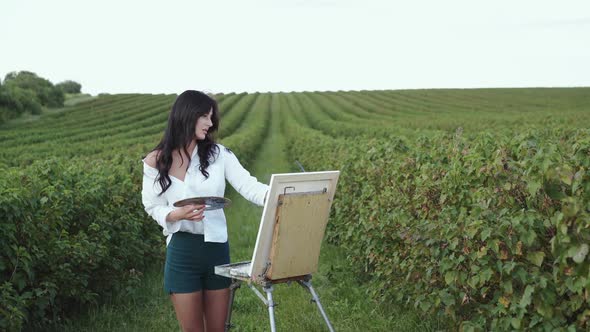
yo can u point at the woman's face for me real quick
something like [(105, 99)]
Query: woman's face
[(203, 124)]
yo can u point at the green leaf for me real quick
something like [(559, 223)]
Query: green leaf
[(473, 281), (486, 274), (536, 257), (495, 245), (529, 237), (553, 190), (447, 298), (507, 286), (526, 297), (563, 229), (581, 253), (450, 277), (533, 187), (515, 322), (545, 310), (522, 275), (485, 234), (566, 177)]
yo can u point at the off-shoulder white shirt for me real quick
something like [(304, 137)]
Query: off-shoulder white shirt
[(223, 166)]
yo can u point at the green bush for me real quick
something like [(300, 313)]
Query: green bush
[(491, 230), (15, 101), (71, 232), (19, 100)]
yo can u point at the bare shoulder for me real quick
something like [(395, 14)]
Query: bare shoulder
[(151, 158)]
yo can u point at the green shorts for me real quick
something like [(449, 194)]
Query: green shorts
[(190, 263)]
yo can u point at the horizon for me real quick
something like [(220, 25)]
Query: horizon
[(376, 90), (313, 91)]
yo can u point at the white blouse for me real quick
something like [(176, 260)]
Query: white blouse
[(225, 165)]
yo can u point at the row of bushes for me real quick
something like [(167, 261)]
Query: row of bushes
[(70, 232), (492, 230), (24, 91)]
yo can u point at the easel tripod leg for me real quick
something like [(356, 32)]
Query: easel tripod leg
[(232, 292), (316, 299), (271, 305)]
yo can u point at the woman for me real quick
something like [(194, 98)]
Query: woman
[(188, 163)]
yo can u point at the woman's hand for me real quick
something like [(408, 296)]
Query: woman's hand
[(188, 212)]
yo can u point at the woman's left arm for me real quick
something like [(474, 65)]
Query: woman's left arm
[(247, 185)]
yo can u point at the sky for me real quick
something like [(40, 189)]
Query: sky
[(129, 46)]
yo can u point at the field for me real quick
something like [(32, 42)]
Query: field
[(456, 209)]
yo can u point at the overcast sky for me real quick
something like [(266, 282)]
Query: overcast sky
[(297, 45)]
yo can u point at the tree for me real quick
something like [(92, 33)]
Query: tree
[(69, 86), (47, 94), (24, 91)]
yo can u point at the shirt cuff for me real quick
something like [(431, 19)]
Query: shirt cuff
[(161, 217)]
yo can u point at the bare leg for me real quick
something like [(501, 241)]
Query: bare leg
[(189, 310), (216, 304)]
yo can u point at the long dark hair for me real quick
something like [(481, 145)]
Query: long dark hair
[(180, 132)]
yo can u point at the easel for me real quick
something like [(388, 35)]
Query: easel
[(298, 224)]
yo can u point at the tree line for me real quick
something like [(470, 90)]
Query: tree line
[(25, 92)]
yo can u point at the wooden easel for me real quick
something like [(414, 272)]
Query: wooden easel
[(299, 226)]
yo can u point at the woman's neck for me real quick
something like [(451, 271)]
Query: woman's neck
[(190, 149)]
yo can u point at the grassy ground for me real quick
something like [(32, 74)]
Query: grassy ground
[(76, 98), (342, 296)]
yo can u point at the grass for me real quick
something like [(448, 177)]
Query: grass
[(342, 296), (76, 98)]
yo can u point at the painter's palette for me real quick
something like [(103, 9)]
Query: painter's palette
[(210, 202)]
